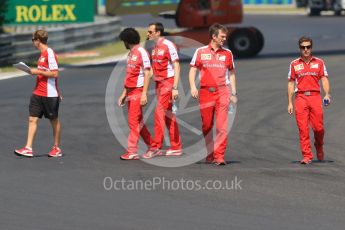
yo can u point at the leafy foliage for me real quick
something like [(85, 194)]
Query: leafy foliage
[(3, 8)]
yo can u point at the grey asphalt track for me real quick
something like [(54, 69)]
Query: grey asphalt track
[(275, 191)]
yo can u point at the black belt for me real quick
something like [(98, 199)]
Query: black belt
[(308, 93), (213, 88)]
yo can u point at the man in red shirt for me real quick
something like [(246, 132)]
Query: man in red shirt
[(46, 96), (135, 90), (166, 70), (303, 81), (217, 90)]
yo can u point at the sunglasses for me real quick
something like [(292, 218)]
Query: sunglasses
[(305, 47), (150, 32), (33, 39)]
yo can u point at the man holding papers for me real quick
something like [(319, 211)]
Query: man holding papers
[(46, 97)]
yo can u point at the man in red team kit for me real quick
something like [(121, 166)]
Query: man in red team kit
[(46, 97), (166, 70), (217, 90), (137, 80), (304, 76)]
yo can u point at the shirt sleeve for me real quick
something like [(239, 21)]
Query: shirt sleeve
[(195, 62), (323, 71), (52, 60), (292, 73), (172, 52), (230, 62), (145, 59)]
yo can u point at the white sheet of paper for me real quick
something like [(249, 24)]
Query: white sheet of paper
[(22, 66)]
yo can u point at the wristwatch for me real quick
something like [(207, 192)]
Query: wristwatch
[(233, 94)]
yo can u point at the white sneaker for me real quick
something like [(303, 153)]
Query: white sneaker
[(173, 152)]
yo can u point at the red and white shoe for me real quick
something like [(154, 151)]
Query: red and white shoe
[(55, 152), (152, 153), (26, 152), (306, 161), (130, 156), (173, 152)]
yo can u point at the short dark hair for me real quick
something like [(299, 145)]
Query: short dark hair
[(158, 27), (130, 35), (41, 35), (305, 39), (215, 28)]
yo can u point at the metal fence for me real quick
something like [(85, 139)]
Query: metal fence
[(18, 47)]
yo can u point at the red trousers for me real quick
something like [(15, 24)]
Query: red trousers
[(215, 104), (164, 117), (308, 110), (135, 121)]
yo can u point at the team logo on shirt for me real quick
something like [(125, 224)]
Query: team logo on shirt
[(314, 65), (221, 57), (205, 57), (160, 52), (298, 67), (134, 58), (42, 59)]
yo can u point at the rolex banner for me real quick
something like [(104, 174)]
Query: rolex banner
[(49, 11)]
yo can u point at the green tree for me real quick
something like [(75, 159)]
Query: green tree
[(3, 8)]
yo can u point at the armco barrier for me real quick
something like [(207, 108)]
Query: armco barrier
[(14, 48), (268, 2)]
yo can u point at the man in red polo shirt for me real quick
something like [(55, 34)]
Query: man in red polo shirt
[(166, 70), (303, 81), (45, 98), (135, 90), (217, 90)]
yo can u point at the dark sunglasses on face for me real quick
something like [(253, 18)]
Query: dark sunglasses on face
[(305, 47), (150, 32)]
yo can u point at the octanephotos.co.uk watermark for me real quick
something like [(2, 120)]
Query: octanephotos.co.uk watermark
[(162, 183)]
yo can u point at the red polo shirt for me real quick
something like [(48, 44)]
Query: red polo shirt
[(137, 61), (307, 75), (45, 86), (164, 54), (214, 65)]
